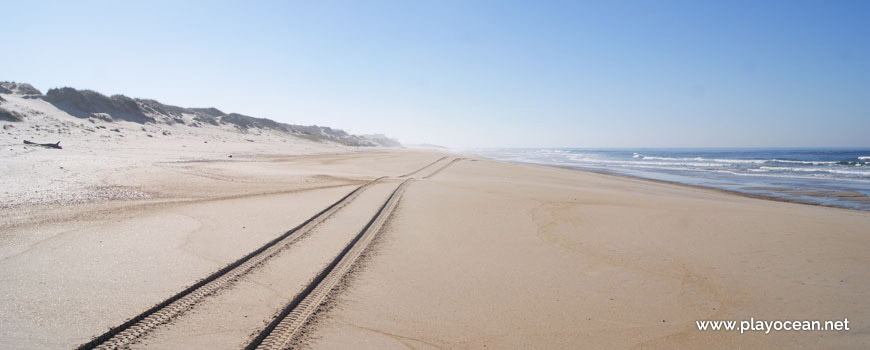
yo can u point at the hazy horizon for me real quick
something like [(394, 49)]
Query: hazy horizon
[(482, 75)]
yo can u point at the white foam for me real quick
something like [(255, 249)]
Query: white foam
[(738, 161), (823, 170), (717, 160), (803, 162), (586, 159)]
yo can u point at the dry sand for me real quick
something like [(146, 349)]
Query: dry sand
[(70, 272), (482, 255)]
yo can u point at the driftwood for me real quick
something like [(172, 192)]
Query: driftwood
[(48, 145)]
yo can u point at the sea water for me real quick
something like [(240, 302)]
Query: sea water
[(828, 176)]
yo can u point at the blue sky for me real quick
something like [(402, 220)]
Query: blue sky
[(476, 74)]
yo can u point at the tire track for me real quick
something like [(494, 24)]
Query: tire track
[(442, 168), (128, 332), (286, 326), (424, 167)]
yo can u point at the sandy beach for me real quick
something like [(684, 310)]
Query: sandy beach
[(476, 254), (378, 175)]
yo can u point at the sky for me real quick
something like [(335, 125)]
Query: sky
[(471, 74)]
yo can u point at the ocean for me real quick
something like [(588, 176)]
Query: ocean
[(837, 177)]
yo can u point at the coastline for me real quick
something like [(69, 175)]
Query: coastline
[(721, 190)]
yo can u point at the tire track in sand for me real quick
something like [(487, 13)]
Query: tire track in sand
[(131, 330), (443, 167), (287, 325), (424, 167)]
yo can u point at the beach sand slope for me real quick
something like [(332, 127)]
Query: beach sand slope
[(496, 255)]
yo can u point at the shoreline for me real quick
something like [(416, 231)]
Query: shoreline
[(720, 190)]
